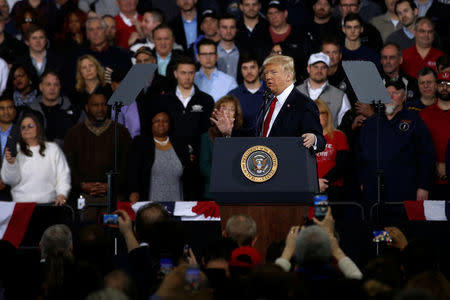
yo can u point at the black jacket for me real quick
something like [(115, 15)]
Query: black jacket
[(190, 122), (140, 162), (178, 30)]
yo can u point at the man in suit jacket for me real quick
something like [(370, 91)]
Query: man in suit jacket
[(186, 26), (288, 113)]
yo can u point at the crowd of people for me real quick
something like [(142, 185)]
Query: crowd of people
[(218, 62)]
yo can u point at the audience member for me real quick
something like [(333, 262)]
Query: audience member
[(251, 92), (436, 118), (186, 26), (22, 83), (293, 42), (252, 29), (9, 136), (317, 87), (228, 105), (422, 54), (38, 171), (4, 73), (209, 25), (370, 37), (353, 48), (127, 22), (443, 64), (406, 11), (242, 229), (165, 54), (59, 115), (331, 163), (227, 52), (88, 147), (73, 33), (56, 238), (100, 7), (323, 24), (10, 47), (24, 18), (388, 22), (156, 167), (39, 56), (150, 20), (112, 57), (63, 9), (426, 79), (391, 59), (90, 79), (408, 140), (111, 29), (367, 9), (336, 74), (45, 8)]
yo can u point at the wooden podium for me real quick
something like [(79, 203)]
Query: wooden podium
[(275, 200)]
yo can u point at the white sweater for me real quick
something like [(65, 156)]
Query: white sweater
[(38, 178)]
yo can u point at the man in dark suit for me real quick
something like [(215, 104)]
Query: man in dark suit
[(186, 26), (288, 113)]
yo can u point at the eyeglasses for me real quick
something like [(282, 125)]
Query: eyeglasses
[(23, 127), (444, 84), (28, 20), (349, 5), (323, 113), (276, 52)]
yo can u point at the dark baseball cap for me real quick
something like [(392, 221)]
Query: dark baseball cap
[(278, 4), (208, 13)]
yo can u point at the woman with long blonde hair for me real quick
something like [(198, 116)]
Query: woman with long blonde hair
[(90, 79), (332, 162)]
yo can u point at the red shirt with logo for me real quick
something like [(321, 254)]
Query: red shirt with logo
[(438, 123), (326, 160), (413, 62)]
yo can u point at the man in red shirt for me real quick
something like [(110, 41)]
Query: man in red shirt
[(437, 119), (422, 54), (127, 22)]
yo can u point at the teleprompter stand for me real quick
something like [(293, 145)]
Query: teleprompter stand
[(369, 89)]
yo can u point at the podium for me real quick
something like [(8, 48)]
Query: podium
[(271, 179)]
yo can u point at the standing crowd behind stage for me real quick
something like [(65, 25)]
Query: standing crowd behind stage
[(62, 60)]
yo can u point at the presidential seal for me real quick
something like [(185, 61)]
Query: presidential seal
[(259, 163)]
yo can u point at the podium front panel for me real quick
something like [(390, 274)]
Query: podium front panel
[(295, 179)]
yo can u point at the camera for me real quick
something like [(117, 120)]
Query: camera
[(192, 278)]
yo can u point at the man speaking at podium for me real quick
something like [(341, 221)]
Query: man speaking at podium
[(285, 112)]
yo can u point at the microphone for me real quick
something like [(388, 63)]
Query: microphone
[(267, 96)]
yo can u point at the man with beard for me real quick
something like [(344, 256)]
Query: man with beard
[(89, 150), (250, 92), (406, 153), (437, 119), (406, 11), (228, 53), (323, 24), (391, 58), (252, 31), (317, 87)]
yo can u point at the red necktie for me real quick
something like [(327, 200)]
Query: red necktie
[(269, 116)]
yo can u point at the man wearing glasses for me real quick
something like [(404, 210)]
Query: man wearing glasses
[(209, 79), (422, 54), (437, 119)]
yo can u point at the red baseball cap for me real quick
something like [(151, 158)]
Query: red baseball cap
[(444, 76), (245, 256)]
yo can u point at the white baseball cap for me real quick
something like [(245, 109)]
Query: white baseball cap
[(319, 57)]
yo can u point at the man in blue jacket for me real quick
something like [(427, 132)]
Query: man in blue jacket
[(406, 152)]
